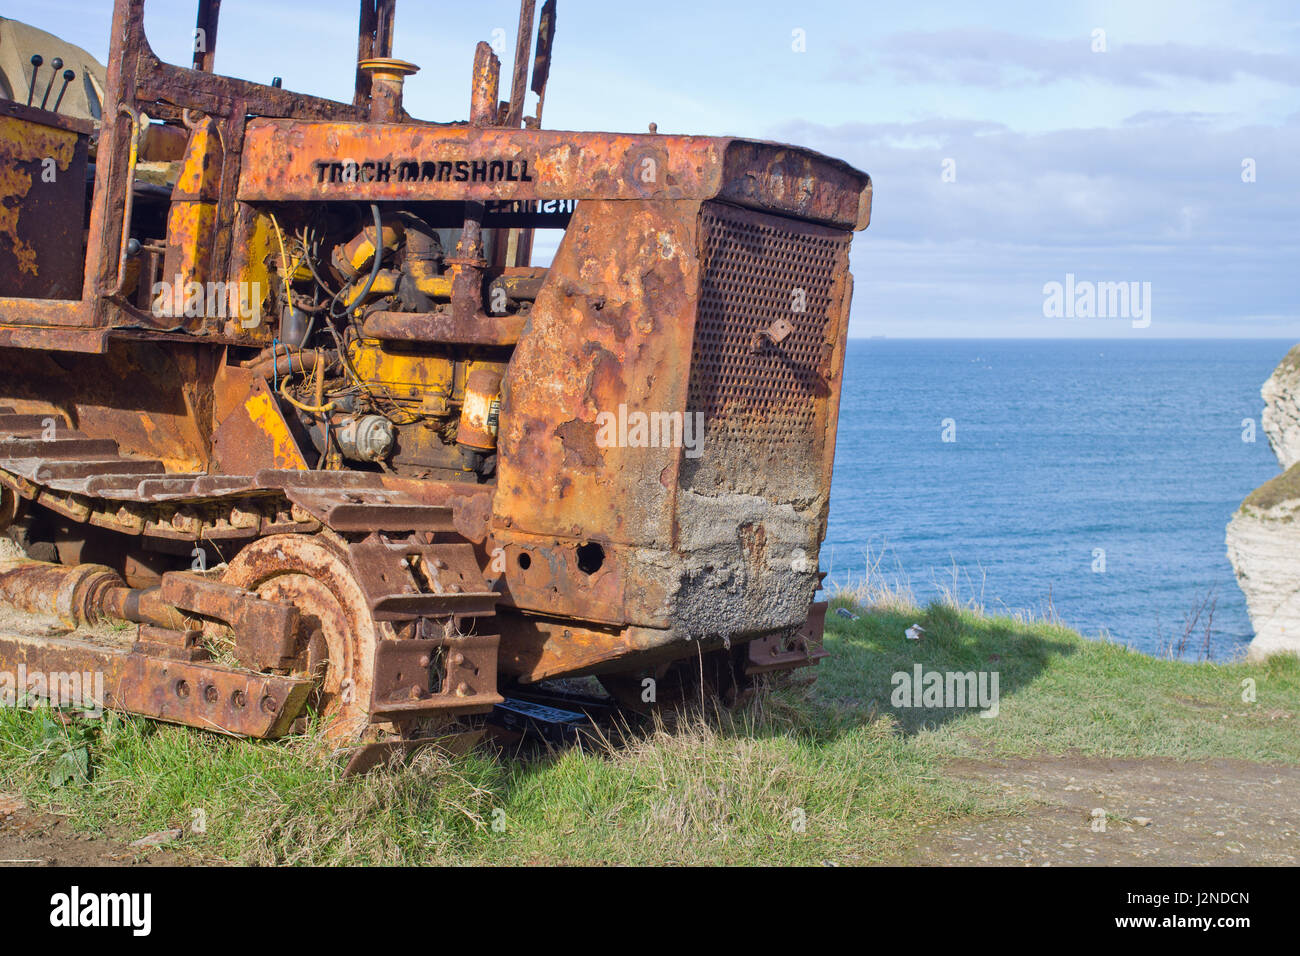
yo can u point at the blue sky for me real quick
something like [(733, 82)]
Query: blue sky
[(1117, 165)]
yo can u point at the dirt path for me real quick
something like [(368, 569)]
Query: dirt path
[(28, 838), (1158, 812)]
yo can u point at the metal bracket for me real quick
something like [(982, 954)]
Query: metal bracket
[(778, 652), (421, 678), (776, 333), (266, 632)]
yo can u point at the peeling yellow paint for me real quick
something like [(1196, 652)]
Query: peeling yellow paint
[(22, 144), (263, 414)]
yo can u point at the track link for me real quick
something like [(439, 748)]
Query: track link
[(394, 628)]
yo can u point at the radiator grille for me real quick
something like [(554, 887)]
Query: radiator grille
[(756, 268)]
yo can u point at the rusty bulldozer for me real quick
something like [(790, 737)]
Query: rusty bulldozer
[(281, 389)]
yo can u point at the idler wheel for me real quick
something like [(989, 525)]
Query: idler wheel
[(337, 636)]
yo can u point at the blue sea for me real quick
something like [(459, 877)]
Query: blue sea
[(1091, 477)]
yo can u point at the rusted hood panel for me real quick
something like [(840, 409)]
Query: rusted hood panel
[(294, 160), (613, 327)]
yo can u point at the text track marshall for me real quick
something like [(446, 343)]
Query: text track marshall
[(423, 171)]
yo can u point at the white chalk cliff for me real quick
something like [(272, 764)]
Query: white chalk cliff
[(1281, 418), (1264, 535)]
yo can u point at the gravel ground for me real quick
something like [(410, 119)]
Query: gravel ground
[(1156, 813)]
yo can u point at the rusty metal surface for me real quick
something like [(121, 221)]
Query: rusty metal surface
[(304, 161), (796, 182), (470, 505), (387, 77), (197, 694), (519, 74), (192, 223), (265, 631), (485, 81), (366, 672), (723, 541), (42, 324), (480, 411), (120, 495), (542, 164), (42, 201), (542, 574), (339, 635), (68, 475), (443, 327), (444, 676), (209, 696), (220, 520), (154, 400), (765, 407), (9, 507), (779, 652), (137, 81), (174, 644), (34, 114), (611, 327), (74, 595), (253, 431), (142, 605), (374, 39), (372, 510), (534, 648), (206, 21), (58, 448), (405, 577)]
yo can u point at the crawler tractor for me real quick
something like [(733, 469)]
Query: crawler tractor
[(290, 425)]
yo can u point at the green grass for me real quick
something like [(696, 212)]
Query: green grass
[(1277, 490), (807, 772), (1061, 692)]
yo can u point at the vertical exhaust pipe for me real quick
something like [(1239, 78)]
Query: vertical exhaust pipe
[(484, 91), (386, 78), (467, 265)]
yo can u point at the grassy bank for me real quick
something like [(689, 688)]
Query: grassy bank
[(808, 772)]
